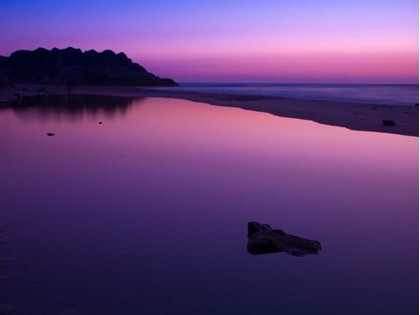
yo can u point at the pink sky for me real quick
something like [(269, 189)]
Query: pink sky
[(322, 41)]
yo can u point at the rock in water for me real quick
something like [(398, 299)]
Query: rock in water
[(50, 134), (6, 308), (264, 240), (254, 227), (388, 122)]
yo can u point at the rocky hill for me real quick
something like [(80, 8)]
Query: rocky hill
[(72, 66)]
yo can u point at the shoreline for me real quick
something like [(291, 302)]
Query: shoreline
[(353, 116)]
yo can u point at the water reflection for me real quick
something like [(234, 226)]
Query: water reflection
[(73, 107), (145, 214)]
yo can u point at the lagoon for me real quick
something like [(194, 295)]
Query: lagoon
[(147, 212)]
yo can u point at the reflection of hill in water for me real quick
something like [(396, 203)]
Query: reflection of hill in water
[(74, 107)]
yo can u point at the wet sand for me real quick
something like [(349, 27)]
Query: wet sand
[(354, 116)]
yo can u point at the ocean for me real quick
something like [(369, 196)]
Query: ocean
[(389, 94)]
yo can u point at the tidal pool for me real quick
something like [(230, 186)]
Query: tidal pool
[(147, 212)]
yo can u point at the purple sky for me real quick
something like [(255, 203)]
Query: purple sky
[(367, 41)]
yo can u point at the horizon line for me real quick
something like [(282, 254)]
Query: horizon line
[(309, 83)]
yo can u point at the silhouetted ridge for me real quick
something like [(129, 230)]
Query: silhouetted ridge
[(73, 66)]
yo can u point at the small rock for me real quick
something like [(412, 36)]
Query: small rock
[(15, 101), (267, 240), (388, 122), (50, 134), (417, 104), (100, 122), (27, 99), (255, 227), (69, 311), (6, 308)]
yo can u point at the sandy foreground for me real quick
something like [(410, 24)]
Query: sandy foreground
[(355, 116)]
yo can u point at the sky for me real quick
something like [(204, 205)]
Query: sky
[(315, 41)]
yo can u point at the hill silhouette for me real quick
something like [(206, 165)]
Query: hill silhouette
[(72, 66)]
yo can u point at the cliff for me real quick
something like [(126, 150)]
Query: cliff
[(72, 66)]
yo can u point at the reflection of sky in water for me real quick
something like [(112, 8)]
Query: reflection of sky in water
[(147, 213)]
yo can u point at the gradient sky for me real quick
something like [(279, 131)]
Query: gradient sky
[(325, 41)]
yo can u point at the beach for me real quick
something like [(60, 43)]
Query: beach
[(354, 116), (209, 157)]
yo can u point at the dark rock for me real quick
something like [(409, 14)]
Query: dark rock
[(388, 122), (71, 67), (6, 308), (417, 104), (255, 227), (27, 99), (100, 122), (50, 134), (264, 240), (15, 101)]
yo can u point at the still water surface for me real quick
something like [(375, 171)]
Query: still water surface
[(147, 212)]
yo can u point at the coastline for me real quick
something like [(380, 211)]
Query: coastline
[(354, 116)]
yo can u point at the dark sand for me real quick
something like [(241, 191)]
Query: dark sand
[(355, 116)]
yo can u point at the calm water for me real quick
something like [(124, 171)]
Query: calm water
[(147, 213), (358, 93)]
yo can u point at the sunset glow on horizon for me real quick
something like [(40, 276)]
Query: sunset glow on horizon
[(232, 41)]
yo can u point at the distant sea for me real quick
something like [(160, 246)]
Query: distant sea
[(389, 94)]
